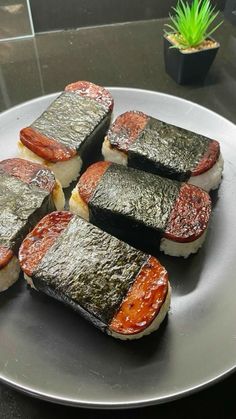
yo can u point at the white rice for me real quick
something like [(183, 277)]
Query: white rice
[(64, 171), (58, 196), (152, 327), (29, 281), (210, 179), (178, 249), (9, 274), (78, 206), (112, 154)]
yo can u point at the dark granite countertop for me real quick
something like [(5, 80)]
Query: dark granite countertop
[(131, 55)]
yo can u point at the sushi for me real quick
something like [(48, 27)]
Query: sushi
[(70, 132), (122, 291), (28, 191), (146, 210), (145, 143)]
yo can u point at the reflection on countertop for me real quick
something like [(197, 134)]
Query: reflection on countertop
[(128, 54)]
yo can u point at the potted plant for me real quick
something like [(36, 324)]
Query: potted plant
[(189, 49)]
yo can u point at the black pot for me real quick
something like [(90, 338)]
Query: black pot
[(186, 68)]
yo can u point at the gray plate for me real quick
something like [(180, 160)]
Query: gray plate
[(50, 352)]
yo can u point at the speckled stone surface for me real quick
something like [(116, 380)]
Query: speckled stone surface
[(128, 54)]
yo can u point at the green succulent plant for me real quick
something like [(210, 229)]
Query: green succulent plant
[(192, 23)]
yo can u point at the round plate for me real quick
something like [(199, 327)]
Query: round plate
[(50, 352)]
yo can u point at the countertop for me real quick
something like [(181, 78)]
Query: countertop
[(129, 54)]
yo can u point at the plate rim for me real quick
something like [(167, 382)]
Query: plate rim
[(115, 406), (118, 88)]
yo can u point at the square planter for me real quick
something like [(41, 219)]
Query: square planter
[(187, 67)]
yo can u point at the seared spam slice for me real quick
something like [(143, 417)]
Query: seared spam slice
[(121, 290), (70, 132), (28, 191), (143, 142), (147, 211)]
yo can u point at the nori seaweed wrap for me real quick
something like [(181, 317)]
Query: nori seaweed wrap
[(121, 290), (146, 143), (28, 191), (70, 132), (147, 211)]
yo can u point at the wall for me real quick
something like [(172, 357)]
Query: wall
[(24, 17)]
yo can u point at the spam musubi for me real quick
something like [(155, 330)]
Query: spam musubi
[(146, 143), (146, 210), (28, 191), (70, 131), (121, 290)]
